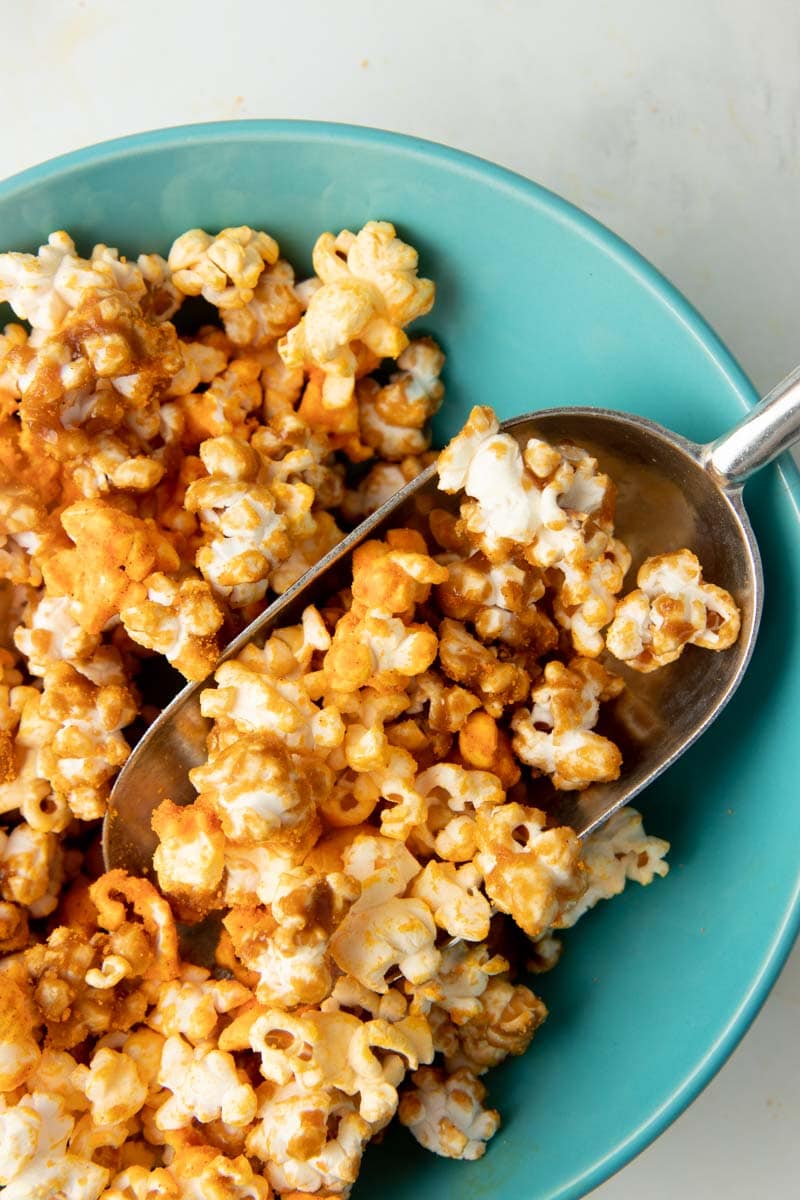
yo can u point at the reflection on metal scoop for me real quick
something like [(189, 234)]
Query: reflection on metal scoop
[(671, 493)]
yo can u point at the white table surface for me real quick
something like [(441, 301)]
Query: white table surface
[(678, 125)]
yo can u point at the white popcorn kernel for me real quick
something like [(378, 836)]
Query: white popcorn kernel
[(445, 1113)]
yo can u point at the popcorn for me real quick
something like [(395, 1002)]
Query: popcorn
[(14, 354), (445, 1113), (226, 407), (51, 635), (272, 310), (550, 505), (112, 1085), (195, 1173), (288, 948), (260, 791), (104, 363), (483, 744), (310, 1139), (366, 746), (448, 706), (251, 696), (205, 1086), (13, 927), (396, 575), (586, 601), (335, 1049), (452, 797), (415, 392), (252, 872), (25, 786), (248, 524), (31, 868), (488, 466), (190, 1007), (499, 599), (19, 1049), (105, 570), (45, 287), (454, 897), (616, 852), (395, 782), (395, 935), (671, 607), (498, 682), (223, 269), (178, 620), (348, 995), (379, 485), (36, 1162), (530, 872), (86, 745), (508, 1017), (202, 363), (393, 420), (371, 645), (112, 892), (85, 983), (463, 977), (369, 292), (382, 866), (554, 734), (162, 299), (190, 857), (536, 499), (116, 463)]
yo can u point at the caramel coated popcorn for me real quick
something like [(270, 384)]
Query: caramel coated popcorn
[(362, 825)]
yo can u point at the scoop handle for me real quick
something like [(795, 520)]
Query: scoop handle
[(772, 427)]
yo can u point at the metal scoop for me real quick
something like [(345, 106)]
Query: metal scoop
[(671, 493)]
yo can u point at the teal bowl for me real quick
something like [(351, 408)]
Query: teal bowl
[(537, 305)]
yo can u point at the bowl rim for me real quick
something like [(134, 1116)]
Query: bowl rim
[(588, 227)]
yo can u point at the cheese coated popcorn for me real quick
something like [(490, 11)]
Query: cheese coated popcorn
[(111, 555), (36, 1160), (31, 868), (195, 1173), (311, 1140), (370, 291), (86, 746), (362, 832), (530, 872), (463, 976), (506, 1020), (552, 507), (13, 343), (620, 850), (554, 735), (19, 1048), (288, 947), (445, 1113), (223, 269), (105, 366), (112, 1085), (259, 790), (671, 607), (271, 311), (45, 287), (178, 620)]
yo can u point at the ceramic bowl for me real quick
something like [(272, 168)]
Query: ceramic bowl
[(537, 305)]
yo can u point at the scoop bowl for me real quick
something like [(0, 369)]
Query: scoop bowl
[(672, 493)]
